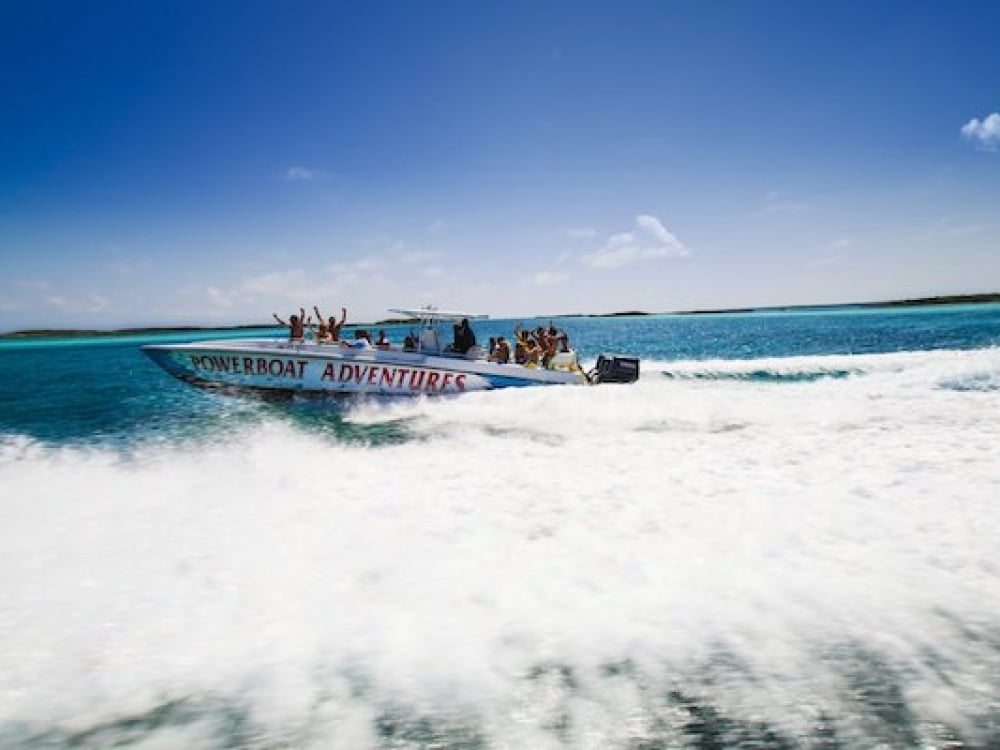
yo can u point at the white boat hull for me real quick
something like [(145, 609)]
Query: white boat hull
[(272, 365)]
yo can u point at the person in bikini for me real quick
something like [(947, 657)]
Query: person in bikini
[(331, 327), (296, 325), (533, 350), (322, 331), (526, 350), (520, 349)]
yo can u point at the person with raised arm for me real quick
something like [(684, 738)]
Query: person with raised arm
[(332, 326), (296, 325), (322, 331)]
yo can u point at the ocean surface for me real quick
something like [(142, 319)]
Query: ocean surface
[(785, 535)]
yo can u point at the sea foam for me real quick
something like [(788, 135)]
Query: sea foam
[(543, 567)]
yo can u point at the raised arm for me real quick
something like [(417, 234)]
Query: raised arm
[(280, 321), (343, 315), (319, 315)]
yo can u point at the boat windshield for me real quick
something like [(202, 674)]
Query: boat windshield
[(431, 340)]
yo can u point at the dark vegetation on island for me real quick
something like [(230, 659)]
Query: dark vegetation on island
[(955, 299), (952, 299), (41, 333), (961, 299)]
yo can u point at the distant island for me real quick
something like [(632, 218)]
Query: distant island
[(961, 299), (41, 333), (954, 299)]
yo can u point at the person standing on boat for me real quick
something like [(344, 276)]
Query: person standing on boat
[(465, 339), (332, 326), (296, 325), (322, 332)]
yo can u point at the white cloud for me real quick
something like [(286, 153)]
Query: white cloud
[(366, 264), (288, 288), (275, 284), (89, 303), (547, 278), (652, 225), (582, 233), (369, 264), (219, 298), (95, 303), (433, 271), (833, 252), (300, 174), (649, 240), (985, 133), (947, 227)]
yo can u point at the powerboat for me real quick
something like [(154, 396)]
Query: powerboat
[(424, 365)]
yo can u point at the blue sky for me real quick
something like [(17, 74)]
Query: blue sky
[(212, 162)]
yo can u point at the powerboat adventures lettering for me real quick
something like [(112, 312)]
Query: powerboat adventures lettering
[(424, 364)]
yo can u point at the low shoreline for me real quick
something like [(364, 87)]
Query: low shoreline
[(70, 333), (955, 299), (958, 299)]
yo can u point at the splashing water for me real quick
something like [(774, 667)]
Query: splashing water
[(713, 558)]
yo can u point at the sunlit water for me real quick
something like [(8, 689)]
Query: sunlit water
[(787, 534)]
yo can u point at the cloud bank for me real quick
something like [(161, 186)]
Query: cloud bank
[(547, 278), (648, 240), (984, 133)]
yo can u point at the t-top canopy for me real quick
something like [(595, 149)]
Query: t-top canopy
[(433, 314)]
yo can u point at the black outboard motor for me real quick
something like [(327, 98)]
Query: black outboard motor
[(614, 369)]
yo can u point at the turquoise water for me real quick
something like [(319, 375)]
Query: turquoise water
[(104, 389), (784, 535)]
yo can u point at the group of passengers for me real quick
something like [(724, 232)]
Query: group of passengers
[(537, 347), (531, 347), (326, 330)]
